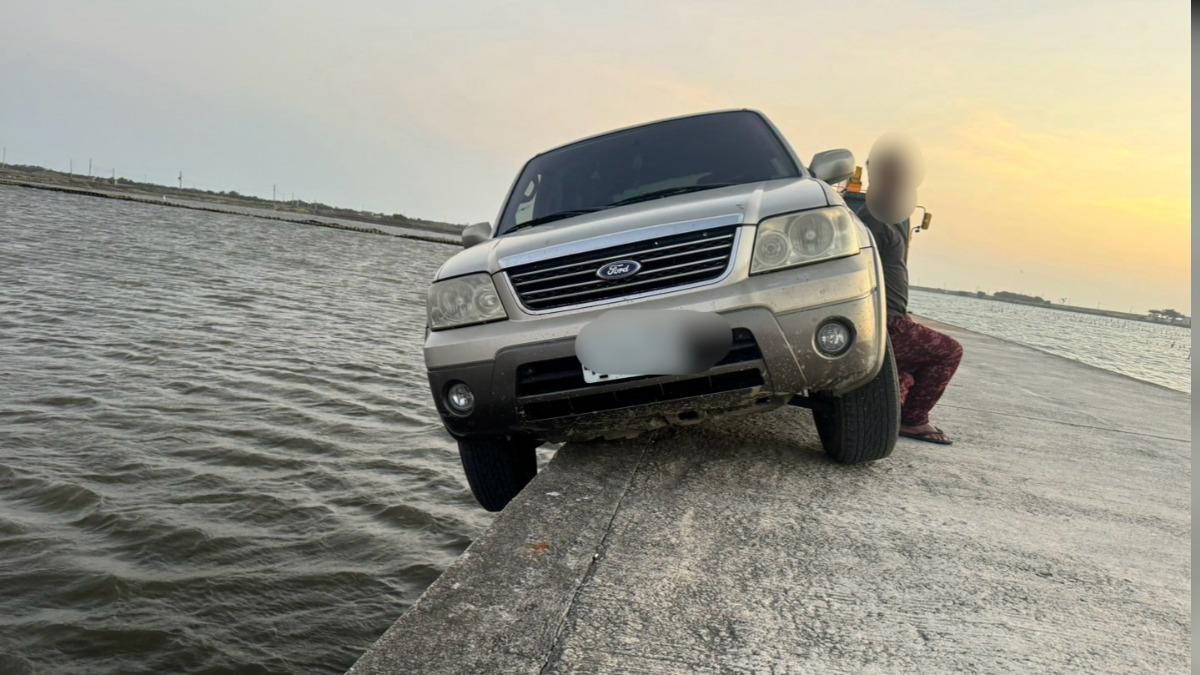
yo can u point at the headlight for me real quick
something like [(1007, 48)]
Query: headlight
[(800, 238), (463, 301)]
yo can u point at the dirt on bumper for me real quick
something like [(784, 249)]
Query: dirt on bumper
[(630, 422)]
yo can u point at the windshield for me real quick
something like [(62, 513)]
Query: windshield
[(657, 160)]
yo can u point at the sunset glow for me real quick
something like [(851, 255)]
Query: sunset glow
[(1056, 134)]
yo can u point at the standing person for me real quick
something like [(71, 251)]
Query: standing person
[(925, 358)]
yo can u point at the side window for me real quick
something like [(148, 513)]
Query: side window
[(529, 198)]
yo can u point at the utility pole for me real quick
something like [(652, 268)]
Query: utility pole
[(114, 176), (70, 167), (89, 167), (272, 192), (181, 179)]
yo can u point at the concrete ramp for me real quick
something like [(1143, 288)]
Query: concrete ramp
[(1053, 536)]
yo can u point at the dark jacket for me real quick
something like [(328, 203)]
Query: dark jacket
[(892, 243)]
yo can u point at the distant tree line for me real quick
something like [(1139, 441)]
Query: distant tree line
[(1009, 296)]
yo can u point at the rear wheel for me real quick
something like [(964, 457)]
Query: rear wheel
[(497, 468), (862, 426)]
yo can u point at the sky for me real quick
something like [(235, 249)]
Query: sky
[(1056, 134)]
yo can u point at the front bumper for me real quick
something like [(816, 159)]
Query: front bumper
[(780, 312)]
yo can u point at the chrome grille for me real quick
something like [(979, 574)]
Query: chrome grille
[(666, 262)]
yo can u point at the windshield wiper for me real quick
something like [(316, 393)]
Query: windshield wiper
[(550, 217), (646, 196)]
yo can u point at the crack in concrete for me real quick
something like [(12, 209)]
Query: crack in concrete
[(1065, 423), (591, 570)]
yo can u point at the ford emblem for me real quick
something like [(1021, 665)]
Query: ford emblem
[(618, 269)]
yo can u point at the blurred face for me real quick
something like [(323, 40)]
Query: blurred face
[(892, 189), (890, 175)]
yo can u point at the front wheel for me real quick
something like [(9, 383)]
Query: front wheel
[(862, 425), (497, 468)]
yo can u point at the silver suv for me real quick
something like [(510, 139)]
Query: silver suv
[(709, 217)]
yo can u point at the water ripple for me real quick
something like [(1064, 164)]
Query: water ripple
[(216, 447), (1152, 352)]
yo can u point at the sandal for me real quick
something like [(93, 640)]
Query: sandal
[(935, 435)]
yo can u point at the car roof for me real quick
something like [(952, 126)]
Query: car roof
[(649, 124)]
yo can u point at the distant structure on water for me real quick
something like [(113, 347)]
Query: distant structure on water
[(1169, 316)]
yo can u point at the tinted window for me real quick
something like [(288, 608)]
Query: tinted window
[(689, 153)]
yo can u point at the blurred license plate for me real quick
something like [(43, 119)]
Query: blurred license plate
[(591, 377), (626, 343)]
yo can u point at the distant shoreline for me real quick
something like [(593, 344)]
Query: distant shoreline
[(198, 203), (295, 211), (1064, 308)]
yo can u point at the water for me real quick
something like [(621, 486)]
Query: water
[(1152, 352), (216, 444), (216, 447)]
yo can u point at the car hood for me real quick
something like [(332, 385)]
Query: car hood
[(751, 202)]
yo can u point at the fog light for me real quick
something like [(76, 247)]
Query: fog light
[(460, 398), (833, 338)]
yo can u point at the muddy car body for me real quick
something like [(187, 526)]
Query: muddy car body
[(712, 214)]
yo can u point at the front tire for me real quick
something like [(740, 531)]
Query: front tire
[(497, 468), (862, 425)]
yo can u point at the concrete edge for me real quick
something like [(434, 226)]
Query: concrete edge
[(519, 578)]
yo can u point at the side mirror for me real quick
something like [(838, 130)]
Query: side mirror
[(833, 166), (476, 234)]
